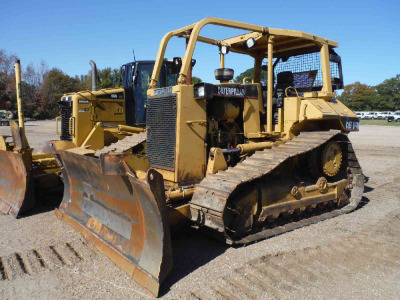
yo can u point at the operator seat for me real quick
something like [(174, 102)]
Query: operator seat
[(283, 81)]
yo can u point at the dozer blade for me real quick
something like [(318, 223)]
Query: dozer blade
[(16, 184), (123, 216)]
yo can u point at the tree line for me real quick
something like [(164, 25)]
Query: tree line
[(382, 97), (42, 87)]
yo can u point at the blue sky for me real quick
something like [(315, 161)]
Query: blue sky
[(68, 34)]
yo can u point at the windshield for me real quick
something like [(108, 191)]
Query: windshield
[(171, 77), (167, 78), (143, 78), (143, 75)]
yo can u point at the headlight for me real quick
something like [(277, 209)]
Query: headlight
[(224, 49), (250, 43), (200, 91), (203, 91)]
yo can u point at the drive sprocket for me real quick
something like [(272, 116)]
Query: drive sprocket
[(332, 156)]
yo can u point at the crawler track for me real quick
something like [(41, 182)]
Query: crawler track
[(124, 145), (212, 194)]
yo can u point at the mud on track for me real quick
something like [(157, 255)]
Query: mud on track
[(355, 255)]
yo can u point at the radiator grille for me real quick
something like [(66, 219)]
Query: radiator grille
[(66, 113), (161, 126)]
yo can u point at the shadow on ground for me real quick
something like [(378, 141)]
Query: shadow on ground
[(368, 189), (45, 202), (364, 201), (191, 250)]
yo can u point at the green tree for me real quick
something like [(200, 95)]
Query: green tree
[(196, 80), (359, 96), (55, 84), (389, 94), (7, 80), (106, 78), (250, 73)]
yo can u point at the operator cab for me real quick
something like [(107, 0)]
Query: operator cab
[(135, 80), (298, 74)]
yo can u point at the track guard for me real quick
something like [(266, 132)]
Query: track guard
[(123, 216)]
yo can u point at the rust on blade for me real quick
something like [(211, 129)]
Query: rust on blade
[(16, 184), (123, 216)]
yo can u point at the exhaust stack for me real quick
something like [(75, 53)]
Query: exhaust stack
[(17, 67), (94, 75)]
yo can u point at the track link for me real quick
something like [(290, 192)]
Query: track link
[(211, 194), (124, 144)]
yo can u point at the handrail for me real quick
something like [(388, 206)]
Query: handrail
[(71, 126)]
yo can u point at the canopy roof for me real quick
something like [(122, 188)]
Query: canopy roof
[(286, 42)]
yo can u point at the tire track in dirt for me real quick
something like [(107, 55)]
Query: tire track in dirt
[(287, 274), (34, 261)]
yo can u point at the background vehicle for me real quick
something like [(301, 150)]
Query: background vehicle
[(236, 159), (382, 115), (360, 114), (90, 119), (395, 117), (371, 115), (6, 116)]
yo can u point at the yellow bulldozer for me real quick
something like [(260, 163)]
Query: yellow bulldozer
[(90, 121), (243, 161)]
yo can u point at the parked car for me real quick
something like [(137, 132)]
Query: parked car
[(380, 115), (360, 114), (384, 115), (363, 114), (371, 115), (395, 117)]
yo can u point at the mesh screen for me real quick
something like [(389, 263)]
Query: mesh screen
[(161, 125), (307, 71), (66, 113)]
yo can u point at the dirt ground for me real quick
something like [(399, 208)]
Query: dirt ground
[(351, 256)]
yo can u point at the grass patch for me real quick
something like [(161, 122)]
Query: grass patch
[(379, 122)]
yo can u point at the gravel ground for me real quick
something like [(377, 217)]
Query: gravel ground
[(37, 133), (351, 256)]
